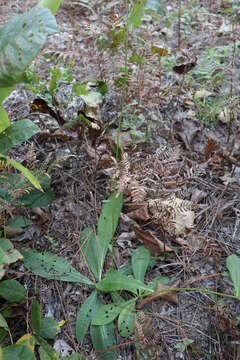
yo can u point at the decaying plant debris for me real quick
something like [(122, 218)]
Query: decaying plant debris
[(178, 170)]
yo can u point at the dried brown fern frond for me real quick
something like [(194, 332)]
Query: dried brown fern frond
[(123, 175), (137, 192), (31, 158), (173, 214), (139, 324), (166, 154)]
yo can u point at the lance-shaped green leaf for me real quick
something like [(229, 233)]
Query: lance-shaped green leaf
[(4, 120), (36, 316), (51, 266), (102, 339), (233, 265), (115, 281), (3, 323), (51, 5), (17, 133), (27, 173), (136, 14), (140, 260), (126, 319), (91, 250), (85, 315), (21, 39), (50, 352), (107, 225)]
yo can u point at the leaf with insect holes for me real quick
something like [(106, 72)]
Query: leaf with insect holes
[(51, 266), (21, 39), (103, 338), (140, 260), (126, 319), (12, 291), (233, 265), (85, 315), (107, 225), (106, 314), (115, 281)]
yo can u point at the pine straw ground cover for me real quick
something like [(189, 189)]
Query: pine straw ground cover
[(180, 139)]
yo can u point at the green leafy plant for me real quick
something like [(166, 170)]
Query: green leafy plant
[(233, 265), (94, 248)]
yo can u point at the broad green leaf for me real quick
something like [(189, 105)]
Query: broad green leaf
[(19, 222), (4, 120), (21, 39), (106, 314), (27, 173), (233, 265), (49, 328), (51, 5), (8, 254), (36, 198), (74, 356), (140, 260), (115, 281), (27, 340), (107, 225), (51, 266), (12, 182), (18, 352), (17, 133), (47, 348), (3, 323), (12, 291), (36, 316), (91, 250), (136, 14), (126, 320), (102, 339), (4, 92), (85, 315)]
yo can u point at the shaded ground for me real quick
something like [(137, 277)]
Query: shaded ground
[(164, 111)]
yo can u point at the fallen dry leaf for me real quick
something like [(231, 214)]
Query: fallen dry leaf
[(162, 292), (210, 146), (140, 214), (150, 241), (12, 232)]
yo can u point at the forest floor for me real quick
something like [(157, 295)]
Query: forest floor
[(187, 100)]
